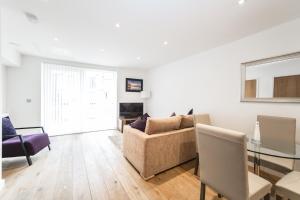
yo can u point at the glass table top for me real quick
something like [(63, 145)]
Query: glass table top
[(255, 147)]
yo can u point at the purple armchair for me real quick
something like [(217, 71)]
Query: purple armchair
[(14, 145)]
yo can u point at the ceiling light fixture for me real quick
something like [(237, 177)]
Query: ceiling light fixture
[(31, 17), (165, 43), (138, 58), (102, 50), (117, 25), (55, 39), (241, 2)]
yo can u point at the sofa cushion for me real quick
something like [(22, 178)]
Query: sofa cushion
[(159, 125), (140, 123), (7, 127), (187, 121), (33, 144)]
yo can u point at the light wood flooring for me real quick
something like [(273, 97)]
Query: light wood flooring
[(90, 166)]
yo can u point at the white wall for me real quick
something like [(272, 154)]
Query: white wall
[(25, 82), (3, 70), (210, 81), (2, 110), (9, 55)]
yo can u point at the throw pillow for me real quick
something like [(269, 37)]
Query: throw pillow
[(190, 112), (173, 114), (159, 125), (145, 116), (7, 127), (140, 123)]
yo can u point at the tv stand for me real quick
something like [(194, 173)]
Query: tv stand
[(124, 121)]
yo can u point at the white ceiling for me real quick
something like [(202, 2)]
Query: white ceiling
[(85, 27)]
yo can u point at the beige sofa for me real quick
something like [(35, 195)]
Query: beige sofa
[(166, 143)]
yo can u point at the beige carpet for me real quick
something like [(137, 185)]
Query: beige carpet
[(117, 140)]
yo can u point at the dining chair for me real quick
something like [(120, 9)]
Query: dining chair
[(202, 119), (288, 187), (278, 133), (223, 165)]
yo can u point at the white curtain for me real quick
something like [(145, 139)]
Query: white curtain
[(78, 99)]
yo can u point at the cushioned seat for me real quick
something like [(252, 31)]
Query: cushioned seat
[(258, 187), (289, 186), (33, 144)]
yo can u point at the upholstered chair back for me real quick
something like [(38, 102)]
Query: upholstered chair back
[(202, 119), (278, 133), (223, 161)]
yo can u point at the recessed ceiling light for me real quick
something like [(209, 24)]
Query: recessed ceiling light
[(165, 43), (138, 58), (102, 50), (55, 39), (31, 17), (241, 2), (61, 51), (117, 25)]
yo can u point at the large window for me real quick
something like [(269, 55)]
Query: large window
[(78, 99)]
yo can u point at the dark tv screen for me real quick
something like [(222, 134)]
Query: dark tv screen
[(131, 109)]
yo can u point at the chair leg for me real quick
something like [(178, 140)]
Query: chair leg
[(267, 197), (202, 193), (196, 165), (49, 147), (278, 197), (29, 160), (25, 151)]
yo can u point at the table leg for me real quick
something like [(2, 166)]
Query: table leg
[(256, 163)]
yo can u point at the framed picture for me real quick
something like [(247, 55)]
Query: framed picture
[(134, 85)]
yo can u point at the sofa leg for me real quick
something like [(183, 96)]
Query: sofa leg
[(220, 196), (267, 197), (49, 147), (146, 179)]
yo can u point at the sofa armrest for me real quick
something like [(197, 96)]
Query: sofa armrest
[(34, 127), (151, 154), (166, 150), (134, 142)]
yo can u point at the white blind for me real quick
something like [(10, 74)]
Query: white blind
[(78, 99)]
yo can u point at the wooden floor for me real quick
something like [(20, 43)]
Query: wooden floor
[(91, 166)]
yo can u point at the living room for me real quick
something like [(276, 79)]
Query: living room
[(138, 100)]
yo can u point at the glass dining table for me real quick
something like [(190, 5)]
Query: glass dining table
[(259, 149)]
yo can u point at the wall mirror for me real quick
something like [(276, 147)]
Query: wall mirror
[(275, 79)]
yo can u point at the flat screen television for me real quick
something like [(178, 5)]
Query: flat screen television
[(129, 110)]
